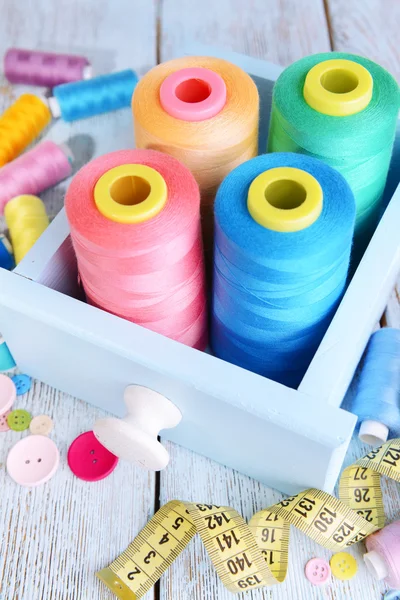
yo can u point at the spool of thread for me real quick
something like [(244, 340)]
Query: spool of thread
[(383, 556), (26, 220), (21, 124), (6, 254), (36, 170), (6, 360), (134, 217), (342, 109), (45, 69), (83, 99), (204, 111), (283, 231), (377, 399)]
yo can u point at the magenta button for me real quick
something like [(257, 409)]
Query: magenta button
[(193, 94), (8, 393), (89, 460), (318, 571), (33, 460)]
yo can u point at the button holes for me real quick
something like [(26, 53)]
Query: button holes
[(95, 461), (316, 567), (39, 460), (92, 452), (315, 574), (27, 462)]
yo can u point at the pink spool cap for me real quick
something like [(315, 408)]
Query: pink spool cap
[(193, 94), (383, 556)]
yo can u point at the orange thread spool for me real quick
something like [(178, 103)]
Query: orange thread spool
[(210, 148), (21, 124)]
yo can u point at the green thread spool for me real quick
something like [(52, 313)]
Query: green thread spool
[(358, 145)]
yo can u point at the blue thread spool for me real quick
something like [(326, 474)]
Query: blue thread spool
[(275, 292), (83, 99), (377, 399), (6, 254), (6, 360)]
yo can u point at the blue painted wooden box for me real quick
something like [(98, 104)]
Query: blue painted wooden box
[(288, 439)]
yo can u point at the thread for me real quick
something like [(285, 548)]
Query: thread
[(6, 360), (275, 292), (6, 254), (383, 556), (83, 99), (21, 124), (26, 220), (45, 69), (217, 128), (148, 269), (38, 169), (358, 145), (377, 399)]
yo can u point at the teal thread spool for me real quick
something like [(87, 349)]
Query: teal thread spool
[(358, 143)]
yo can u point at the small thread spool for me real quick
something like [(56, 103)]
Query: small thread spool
[(283, 231), (203, 111), (6, 360), (377, 399), (26, 220), (6, 254), (342, 109), (21, 124), (134, 217), (83, 99), (383, 556), (45, 69), (36, 170)]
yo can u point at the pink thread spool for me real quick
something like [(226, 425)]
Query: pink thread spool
[(42, 167), (134, 217), (44, 68), (383, 556)]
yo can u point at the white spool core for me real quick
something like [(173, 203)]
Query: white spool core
[(373, 433), (87, 72), (54, 107), (376, 565)]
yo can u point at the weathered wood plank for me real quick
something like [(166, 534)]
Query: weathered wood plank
[(55, 537)]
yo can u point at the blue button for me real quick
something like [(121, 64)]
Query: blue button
[(392, 595), (23, 383)]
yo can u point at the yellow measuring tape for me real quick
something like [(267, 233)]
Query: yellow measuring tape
[(253, 555)]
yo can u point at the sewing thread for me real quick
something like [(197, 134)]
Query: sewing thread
[(38, 169), (45, 69), (83, 99), (203, 111), (6, 254), (134, 217), (358, 145), (383, 556), (26, 220), (377, 399), (21, 124), (275, 291)]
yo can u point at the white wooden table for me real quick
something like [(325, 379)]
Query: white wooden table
[(54, 538)]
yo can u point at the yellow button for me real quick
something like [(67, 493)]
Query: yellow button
[(338, 87), (343, 565), (130, 193), (285, 199)]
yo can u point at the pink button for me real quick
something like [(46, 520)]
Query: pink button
[(89, 460), (33, 460), (318, 571), (193, 94), (4, 426), (8, 393)]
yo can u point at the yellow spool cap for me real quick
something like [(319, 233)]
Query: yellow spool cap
[(130, 193), (285, 199), (338, 87), (26, 220)]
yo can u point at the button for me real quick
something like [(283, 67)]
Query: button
[(41, 425), (33, 460), (392, 595), (18, 420), (317, 571), (4, 426), (23, 383), (343, 565), (8, 393), (89, 460)]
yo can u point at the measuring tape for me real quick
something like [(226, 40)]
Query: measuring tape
[(253, 555)]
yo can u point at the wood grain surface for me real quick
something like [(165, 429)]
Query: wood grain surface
[(54, 538)]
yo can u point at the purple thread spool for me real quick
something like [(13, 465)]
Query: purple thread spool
[(44, 68)]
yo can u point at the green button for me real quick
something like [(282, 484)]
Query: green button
[(19, 420)]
